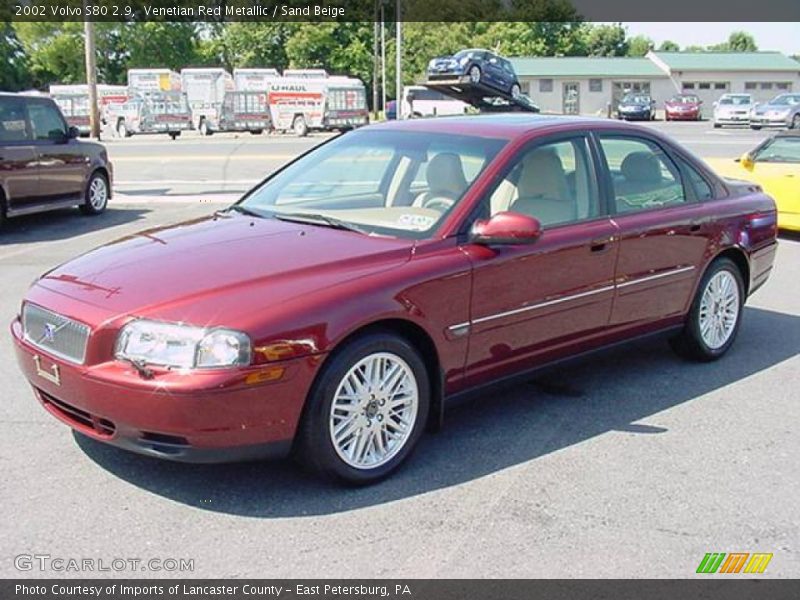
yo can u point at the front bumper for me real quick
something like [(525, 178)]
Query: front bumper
[(732, 119), (788, 220), (214, 416), (683, 116), (765, 121), (634, 114)]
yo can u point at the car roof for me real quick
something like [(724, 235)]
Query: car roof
[(504, 125)]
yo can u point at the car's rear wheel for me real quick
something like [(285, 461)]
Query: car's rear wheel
[(256, 131), (122, 130), (796, 122), (366, 411), (96, 195), (475, 74), (515, 91), (755, 127), (715, 315)]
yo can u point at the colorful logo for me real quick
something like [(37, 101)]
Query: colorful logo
[(734, 562)]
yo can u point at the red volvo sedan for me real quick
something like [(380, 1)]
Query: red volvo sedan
[(336, 307)]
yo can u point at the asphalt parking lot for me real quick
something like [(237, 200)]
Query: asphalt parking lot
[(630, 464)]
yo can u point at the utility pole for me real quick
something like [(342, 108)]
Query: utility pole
[(383, 60), (398, 62), (91, 78), (375, 61)]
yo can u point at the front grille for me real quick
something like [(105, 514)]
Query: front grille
[(77, 417), (56, 334)]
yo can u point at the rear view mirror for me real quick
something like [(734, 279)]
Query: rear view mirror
[(506, 228), (746, 160)]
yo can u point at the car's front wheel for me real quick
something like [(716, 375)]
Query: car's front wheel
[(515, 91), (96, 195), (366, 411), (715, 315), (796, 122)]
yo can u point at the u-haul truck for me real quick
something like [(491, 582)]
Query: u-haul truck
[(303, 104), (254, 79), (205, 90), (73, 100), (153, 80)]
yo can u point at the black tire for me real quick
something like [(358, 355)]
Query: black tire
[(203, 128), (314, 447), (796, 122), (3, 217), (122, 129), (689, 343), (90, 207), (755, 127), (717, 126), (174, 134), (256, 131), (299, 126)]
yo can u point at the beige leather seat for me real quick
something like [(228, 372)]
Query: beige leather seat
[(445, 177), (542, 189)]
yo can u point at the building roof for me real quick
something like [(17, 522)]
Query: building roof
[(727, 61), (586, 66)]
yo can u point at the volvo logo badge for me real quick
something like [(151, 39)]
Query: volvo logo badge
[(49, 333)]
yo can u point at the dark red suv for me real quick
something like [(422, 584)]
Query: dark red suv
[(42, 164)]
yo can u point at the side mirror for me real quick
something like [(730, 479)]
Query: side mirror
[(72, 132), (506, 228), (746, 160)]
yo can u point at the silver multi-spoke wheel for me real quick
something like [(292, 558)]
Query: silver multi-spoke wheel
[(719, 309), (374, 410), (98, 193)]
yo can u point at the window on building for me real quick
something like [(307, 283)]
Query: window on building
[(688, 85), (704, 86), (784, 86), (750, 85), (545, 85), (766, 85), (595, 85), (720, 86)]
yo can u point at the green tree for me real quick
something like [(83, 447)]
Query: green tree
[(14, 74), (607, 40), (167, 44), (669, 46), (246, 44), (741, 41), (639, 45)]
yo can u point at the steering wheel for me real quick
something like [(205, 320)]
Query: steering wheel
[(440, 203)]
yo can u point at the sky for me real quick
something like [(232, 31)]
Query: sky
[(783, 37)]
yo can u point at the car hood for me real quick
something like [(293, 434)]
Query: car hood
[(761, 108), (689, 105), (634, 105), (189, 271)]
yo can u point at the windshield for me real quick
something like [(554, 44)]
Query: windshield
[(397, 183), (636, 100), (685, 99), (780, 149), (734, 100), (786, 100)]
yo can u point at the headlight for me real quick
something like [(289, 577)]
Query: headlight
[(182, 346)]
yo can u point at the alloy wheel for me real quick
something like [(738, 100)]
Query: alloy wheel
[(719, 310), (98, 193), (374, 410)]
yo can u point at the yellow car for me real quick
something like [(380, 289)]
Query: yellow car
[(775, 166)]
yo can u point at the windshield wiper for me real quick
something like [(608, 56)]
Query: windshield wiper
[(240, 208), (318, 219)]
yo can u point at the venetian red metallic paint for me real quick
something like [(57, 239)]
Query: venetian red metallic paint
[(305, 289)]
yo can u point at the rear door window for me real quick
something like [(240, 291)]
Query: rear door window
[(12, 120)]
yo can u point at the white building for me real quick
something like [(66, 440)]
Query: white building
[(594, 85)]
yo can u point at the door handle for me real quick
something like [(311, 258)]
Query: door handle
[(601, 244)]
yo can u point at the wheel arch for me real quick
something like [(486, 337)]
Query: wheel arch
[(104, 172), (419, 339), (739, 258)]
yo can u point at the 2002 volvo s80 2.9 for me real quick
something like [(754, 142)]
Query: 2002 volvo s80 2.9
[(334, 309)]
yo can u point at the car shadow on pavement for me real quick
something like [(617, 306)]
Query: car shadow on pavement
[(508, 426), (64, 224)]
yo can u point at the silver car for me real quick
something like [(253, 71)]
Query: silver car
[(781, 111), (732, 109)]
